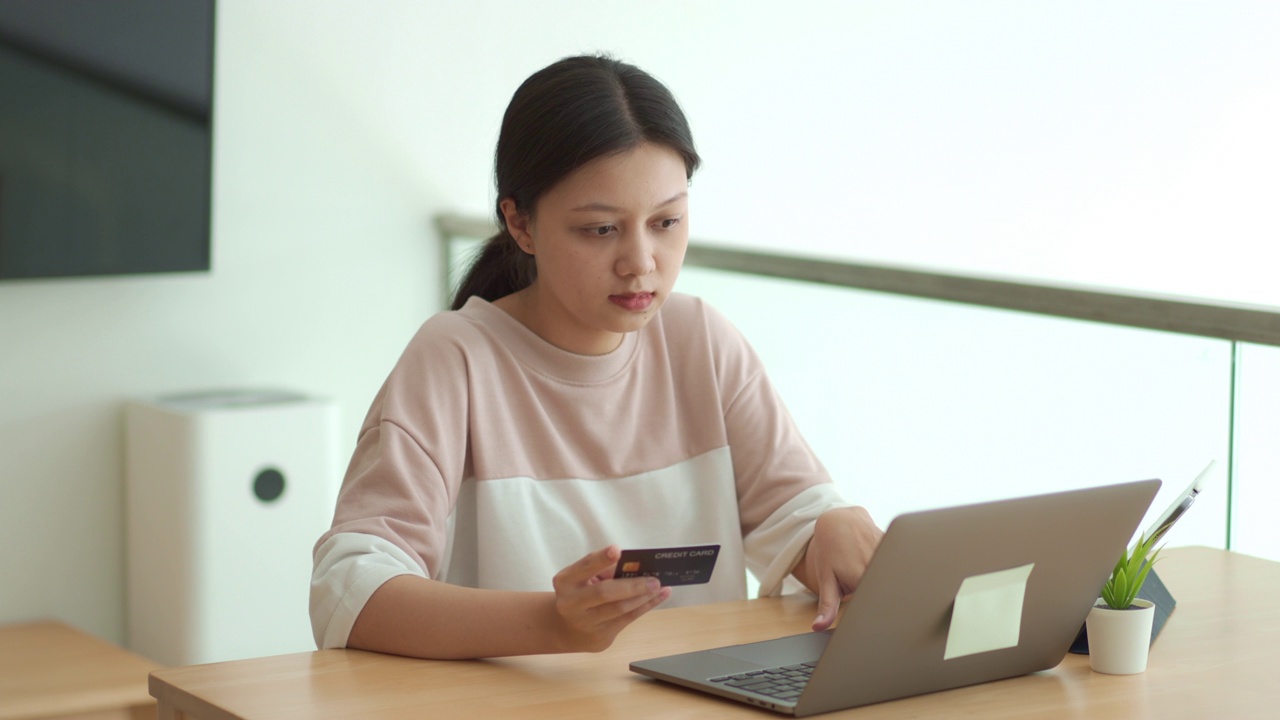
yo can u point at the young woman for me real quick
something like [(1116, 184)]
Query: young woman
[(571, 405)]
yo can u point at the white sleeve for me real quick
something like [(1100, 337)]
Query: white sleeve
[(776, 545), (348, 568)]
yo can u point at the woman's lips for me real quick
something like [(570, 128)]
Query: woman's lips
[(633, 301)]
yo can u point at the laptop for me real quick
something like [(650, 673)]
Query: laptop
[(954, 596)]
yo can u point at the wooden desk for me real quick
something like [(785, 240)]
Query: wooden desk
[(49, 670), (1217, 657)]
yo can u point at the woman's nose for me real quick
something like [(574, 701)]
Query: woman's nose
[(637, 255)]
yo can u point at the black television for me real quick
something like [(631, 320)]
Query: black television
[(105, 137)]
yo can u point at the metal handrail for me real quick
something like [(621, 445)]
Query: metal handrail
[(1204, 318)]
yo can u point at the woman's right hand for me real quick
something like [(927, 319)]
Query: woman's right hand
[(593, 606)]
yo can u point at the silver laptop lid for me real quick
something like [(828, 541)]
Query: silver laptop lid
[(897, 636)]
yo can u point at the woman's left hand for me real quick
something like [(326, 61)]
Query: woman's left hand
[(844, 539)]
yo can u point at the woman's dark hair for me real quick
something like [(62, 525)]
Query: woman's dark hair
[(561, 118)]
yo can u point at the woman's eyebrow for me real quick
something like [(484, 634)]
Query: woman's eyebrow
[(606, 207)]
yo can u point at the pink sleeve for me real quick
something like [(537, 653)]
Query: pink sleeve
[(408, 464), (782, 486), (401, 485)]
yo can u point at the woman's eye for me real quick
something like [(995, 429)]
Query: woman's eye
[(601, 231), (669, 223)]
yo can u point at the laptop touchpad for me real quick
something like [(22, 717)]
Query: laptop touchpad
[(783, 651)]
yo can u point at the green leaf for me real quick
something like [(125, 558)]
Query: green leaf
[(1129, 574)]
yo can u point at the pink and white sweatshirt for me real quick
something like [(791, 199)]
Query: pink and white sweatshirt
[(493, 459)]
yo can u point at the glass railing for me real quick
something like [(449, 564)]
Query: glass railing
[(920, 389)]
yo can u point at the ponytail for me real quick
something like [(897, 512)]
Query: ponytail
[(500, 268)]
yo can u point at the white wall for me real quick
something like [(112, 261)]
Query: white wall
[(1125, 144), (955, 134)]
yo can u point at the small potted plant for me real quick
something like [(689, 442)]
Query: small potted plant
[(1119, 625)]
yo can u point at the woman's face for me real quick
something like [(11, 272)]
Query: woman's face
[(608, 241)]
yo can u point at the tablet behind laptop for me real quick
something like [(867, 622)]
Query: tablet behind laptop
[(952, 597)]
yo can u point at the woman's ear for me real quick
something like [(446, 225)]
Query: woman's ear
[(518, 224)]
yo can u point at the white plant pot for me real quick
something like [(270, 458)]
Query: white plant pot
[(1119, 640)]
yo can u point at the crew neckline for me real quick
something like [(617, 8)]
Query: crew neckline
[(547, 359)]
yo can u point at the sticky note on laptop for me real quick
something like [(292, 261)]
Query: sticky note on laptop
[(987, 614)]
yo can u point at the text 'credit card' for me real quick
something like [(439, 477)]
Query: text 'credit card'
[(672, 566)]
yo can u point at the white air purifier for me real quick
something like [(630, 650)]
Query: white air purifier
[(226, 493)]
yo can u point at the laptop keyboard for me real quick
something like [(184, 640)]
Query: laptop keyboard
[(783, 683)]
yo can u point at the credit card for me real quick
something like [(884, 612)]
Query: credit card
[(672, 566)]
